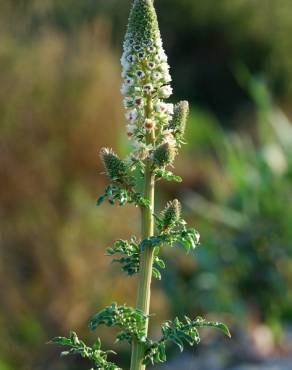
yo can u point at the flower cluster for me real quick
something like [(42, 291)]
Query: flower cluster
[(146, 79)]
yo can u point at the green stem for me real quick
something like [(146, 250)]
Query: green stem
[(146, 258)]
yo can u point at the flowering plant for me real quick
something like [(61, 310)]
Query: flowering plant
[(156, 131)]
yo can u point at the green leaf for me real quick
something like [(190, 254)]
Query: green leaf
[(200, 322), (94, 353), (162, 353), (167, 175), (96, 345), (177, 341), (160, 263), (130, 320)]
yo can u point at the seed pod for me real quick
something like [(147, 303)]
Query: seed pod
[(180, 116), (115, 168), (164, 154), (171, 214)]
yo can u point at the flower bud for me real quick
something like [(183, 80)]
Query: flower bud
[(180, 116), (165, 91), (164, 154), (171, 214), (115, 168)]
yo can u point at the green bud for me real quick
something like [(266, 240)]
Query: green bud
[(164, 154), (171, 214), (115, 168), (143, 25), (179, 121)]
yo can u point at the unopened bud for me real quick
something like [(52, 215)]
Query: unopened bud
[(171, 214), (180, 116), (164, 154)]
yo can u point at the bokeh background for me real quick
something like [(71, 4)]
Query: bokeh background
[(60, 103)]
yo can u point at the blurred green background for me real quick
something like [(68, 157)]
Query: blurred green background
[(60, 103)]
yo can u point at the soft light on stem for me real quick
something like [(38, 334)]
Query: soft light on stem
[(146, 258)]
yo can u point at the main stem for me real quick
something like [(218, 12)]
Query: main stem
[(146, 258)]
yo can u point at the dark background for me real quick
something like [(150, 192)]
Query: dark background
[(60, 103)]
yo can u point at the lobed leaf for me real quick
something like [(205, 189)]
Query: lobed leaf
[(163, 174), (117, 194), (130, 320), (179, 332), (94, 353)]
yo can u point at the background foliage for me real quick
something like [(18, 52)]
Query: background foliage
[(60, 103)]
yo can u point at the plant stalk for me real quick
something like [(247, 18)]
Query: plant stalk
[(146, 257)]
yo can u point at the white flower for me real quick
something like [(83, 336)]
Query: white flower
[(141, 55), (123, 59), (140, 74), (140, 145), (164, 67), (149, 124), (168, 137), (151, 49), (126, 66), (165, 91), (156, 76), (131, 58), (129, 81), (157, 58), (161, 107), (137, 47), (138, 100), (162, 55), (170, 108), (141, 150), (127, 101), (167, 77), (159, 43), (151, 65), (165, 111), (131, 115), (131, 130), (124, 89), (148, 88)]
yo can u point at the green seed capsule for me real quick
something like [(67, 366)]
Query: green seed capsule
[(115, 168), (164, 154)]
